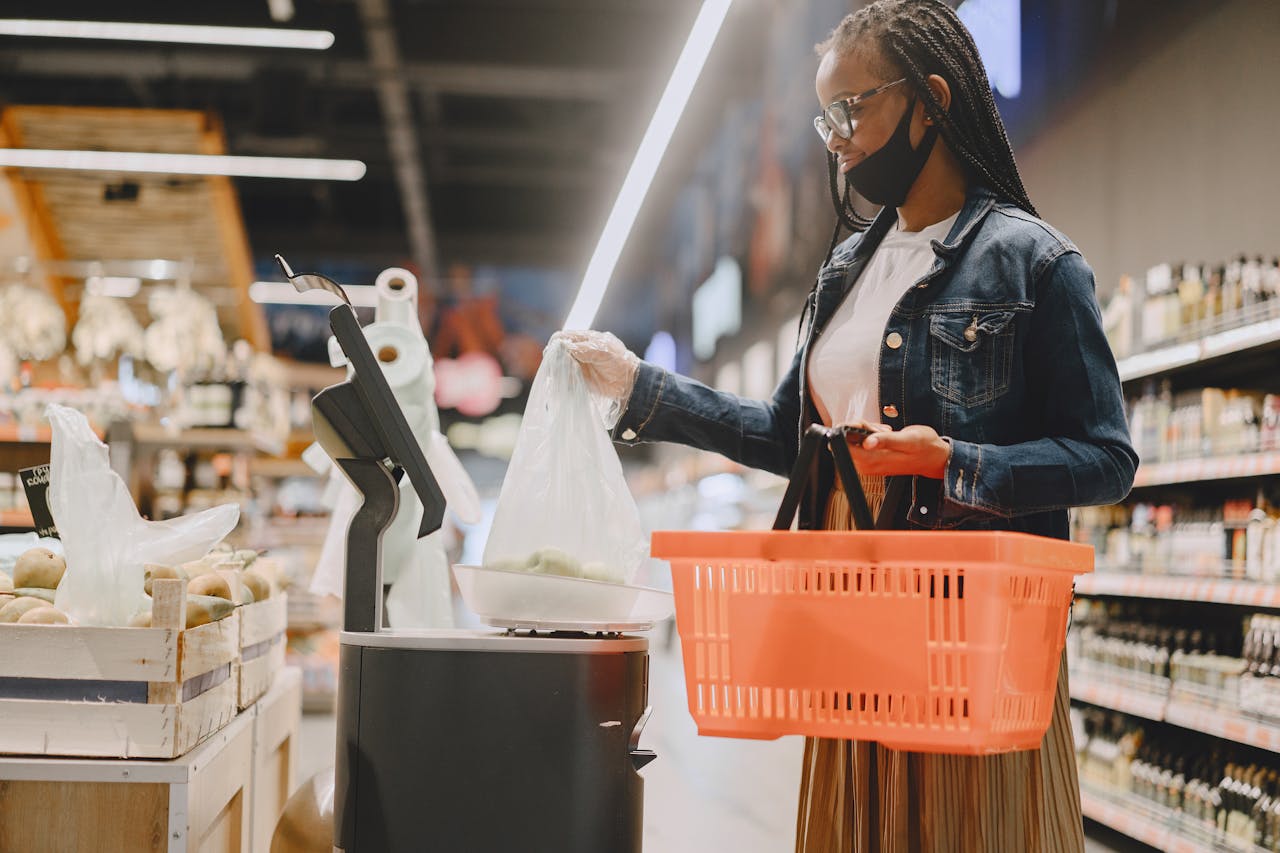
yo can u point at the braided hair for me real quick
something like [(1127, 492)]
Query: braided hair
[(916, 38)]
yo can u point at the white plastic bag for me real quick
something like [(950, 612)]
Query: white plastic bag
[(105, 540), (565, 507), (421, 596)]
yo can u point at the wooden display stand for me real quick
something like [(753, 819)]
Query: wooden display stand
[(118, 692), (224, 796), (199, 802), (262, 643), (275, 753)]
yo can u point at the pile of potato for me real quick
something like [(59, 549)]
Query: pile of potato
[(209, 594), (28, 597)]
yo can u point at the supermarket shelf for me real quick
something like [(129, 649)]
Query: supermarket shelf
[(1180, 589), (278, 468), (1117, 697), (16, 518), (203, 438), (1224, 724), (1228, 342), (1145, 823), (11, 434), (1214, 468), (1178, 711)]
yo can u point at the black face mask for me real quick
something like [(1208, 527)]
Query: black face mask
[(885, 176)]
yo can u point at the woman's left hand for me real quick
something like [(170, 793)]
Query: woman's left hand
[(914, 450)]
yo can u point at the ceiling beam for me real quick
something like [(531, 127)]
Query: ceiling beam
[(402, 134), (446, 78)]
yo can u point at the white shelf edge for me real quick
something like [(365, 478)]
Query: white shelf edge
[(1167, 358), (1259, 464), (1222, 723), (1107, 811), (1117, 697), (1227, 725), (1205, 590)]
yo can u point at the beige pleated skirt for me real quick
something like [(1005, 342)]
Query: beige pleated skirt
[(865, 798)]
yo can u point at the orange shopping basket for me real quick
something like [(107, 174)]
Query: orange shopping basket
[(924, 641)]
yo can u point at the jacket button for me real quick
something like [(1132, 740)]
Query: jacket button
[(893, 341), (890, 411)]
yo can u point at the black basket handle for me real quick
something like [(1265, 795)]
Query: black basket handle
[(837, 439)]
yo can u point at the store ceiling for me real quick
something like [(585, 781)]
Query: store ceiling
[(511, 122)]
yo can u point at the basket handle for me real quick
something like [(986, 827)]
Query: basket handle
[(805, 469)]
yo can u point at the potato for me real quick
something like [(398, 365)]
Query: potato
[(256, 584), (141, 619), (6, 584), (39, 567), (36, 592), (210, 584), (246, 556), (12, 611), (202, 566), (154, 570), (598, 572), (202, 609), (553, 561), (44, 616)]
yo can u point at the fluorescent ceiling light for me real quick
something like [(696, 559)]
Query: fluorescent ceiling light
[(299, 168), (121, 286), (173, 33), (282, 293), (654, 144)]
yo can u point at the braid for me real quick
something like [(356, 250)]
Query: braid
[(923, 37)]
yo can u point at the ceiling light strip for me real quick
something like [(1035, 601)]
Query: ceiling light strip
[(654, 144), (170, 33), (297, 168), (282, 293)]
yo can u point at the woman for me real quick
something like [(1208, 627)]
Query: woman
[(965, 332)]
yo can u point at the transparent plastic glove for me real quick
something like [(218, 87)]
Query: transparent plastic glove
[(608, 366)]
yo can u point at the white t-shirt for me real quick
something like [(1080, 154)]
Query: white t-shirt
[(844, 367)]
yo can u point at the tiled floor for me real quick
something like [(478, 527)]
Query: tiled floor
[(701, 794)]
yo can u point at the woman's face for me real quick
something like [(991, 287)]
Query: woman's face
[(874, 119)]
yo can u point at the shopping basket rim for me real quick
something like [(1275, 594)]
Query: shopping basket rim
[(971, 547)]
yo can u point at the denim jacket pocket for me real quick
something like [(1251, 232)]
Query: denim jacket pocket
[(971, 356)]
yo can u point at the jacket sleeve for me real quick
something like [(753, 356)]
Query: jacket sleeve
[(1086, 457), (762, 434)]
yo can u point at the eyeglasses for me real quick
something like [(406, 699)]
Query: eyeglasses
[(838, 119)]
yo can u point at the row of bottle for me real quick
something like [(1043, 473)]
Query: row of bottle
[(1234, 540), (1260, 683), (1152, 640), (1177, 300), (1221, 791), (1202, 422)]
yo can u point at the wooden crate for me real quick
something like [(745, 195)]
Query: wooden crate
[(262, 644), (199, 802), (118, 692), (277, 716)]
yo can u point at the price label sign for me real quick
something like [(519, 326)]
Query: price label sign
[(35, 482)]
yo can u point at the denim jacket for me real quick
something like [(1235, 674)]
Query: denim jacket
[(999, 347)]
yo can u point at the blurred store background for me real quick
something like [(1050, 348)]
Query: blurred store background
[(494, 136)]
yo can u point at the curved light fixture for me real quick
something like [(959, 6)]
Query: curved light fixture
[(297, 168), (654, 144), (171, 33)]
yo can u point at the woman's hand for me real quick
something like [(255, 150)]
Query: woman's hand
[(607, 365), (915, 450)]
